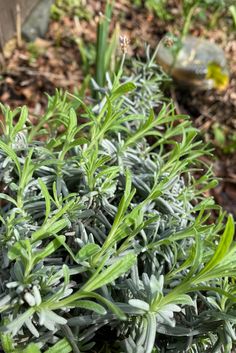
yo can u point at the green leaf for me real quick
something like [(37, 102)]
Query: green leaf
[(89, 305), (111, 306), (197, 260), (222, 249), (232, 10), (10, 153), (22, 120), (72, 124), (87, 251), (61, 346), (101, 45), (7, 342), (122, 89), (32, 348), (50, 248), (63, 243), (46, 195), (81, 295), (8, 198), (50, 229), (119, 218), (183, 299), (27, 171), (219, 134), (77, 142), (15, 250), (66, 274), (111, 273)]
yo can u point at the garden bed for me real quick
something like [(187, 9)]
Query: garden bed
[(110, 239)]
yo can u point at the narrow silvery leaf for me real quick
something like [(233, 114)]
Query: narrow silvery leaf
[(31, 327), (29, 298), (42, 317), (151, 332), (51, 315), (143, 333), (166, 317), (12, 284), (37, 295), (4, 300), (45, 320), (130, 345), (230, 330), (140, 304), (156, 285), (66, 293), (50, 325), (213, 302), (18, 271), (16, 324)]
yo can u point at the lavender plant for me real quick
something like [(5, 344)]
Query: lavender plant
[(105, 239)]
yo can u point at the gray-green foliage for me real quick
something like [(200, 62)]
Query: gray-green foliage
[(105, 239), (150, 82)]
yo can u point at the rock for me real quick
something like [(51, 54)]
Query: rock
[(36, 24), (194, 62)]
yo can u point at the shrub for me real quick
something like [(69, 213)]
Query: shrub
[(105, 239)]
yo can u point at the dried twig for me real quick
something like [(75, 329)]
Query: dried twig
[(18, 25)]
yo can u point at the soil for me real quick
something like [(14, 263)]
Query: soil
[(56, 62)]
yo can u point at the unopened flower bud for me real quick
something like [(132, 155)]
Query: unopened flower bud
[(124, 43)]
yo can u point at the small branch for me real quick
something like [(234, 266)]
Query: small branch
[(18, 25), (70, 337), (2, 58)]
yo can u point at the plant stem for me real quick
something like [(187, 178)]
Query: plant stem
[(187, 21)]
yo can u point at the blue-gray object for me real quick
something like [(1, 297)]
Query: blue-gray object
[(36, 24), (194, 62)]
